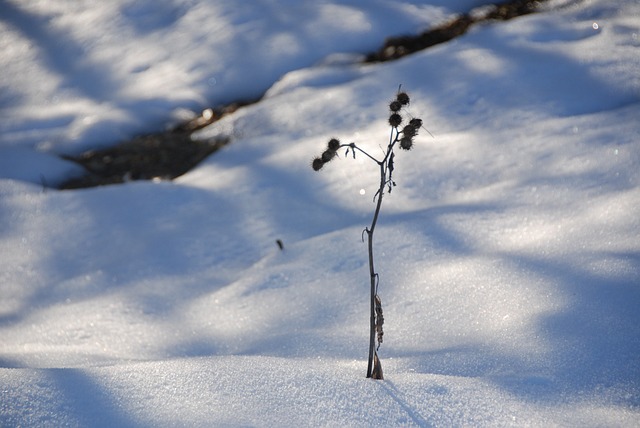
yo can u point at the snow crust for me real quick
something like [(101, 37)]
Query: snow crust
[(508, 254)]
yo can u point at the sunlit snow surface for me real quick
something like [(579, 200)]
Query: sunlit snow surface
[(508, 254)]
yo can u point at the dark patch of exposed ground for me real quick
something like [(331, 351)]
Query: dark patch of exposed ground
[(162, 155), (169, 154), (397, 47)]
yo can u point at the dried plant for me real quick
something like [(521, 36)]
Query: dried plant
[(402, 136)]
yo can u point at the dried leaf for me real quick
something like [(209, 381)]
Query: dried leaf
[(376, 373), (379, 320)]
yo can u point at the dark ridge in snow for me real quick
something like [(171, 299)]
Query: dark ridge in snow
[(163, 155), (398, 47)]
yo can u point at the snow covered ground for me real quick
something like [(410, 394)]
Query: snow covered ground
[(508, 254)]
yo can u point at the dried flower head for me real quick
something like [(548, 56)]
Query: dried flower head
[(416, 123), (409, 131), (406, 143), (395, 120), (327, 155), (317, 164), (334, 144), (395, 106), (403, 98)]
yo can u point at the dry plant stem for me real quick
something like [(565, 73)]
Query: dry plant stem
[(372, 272), (374, 368), (386, 165), (376, 372)]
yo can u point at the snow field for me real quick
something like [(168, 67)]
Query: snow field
[(508, 253)]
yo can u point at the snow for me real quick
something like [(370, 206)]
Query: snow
[(508, 254)]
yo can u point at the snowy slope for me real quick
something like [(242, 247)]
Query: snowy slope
[(77, 74), (508, 254)]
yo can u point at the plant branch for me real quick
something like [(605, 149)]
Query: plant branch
[(354, 147), (404, 136)]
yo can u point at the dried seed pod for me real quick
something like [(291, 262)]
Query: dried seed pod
[(403, 98), (409, 131), (395, 106), (416, 123), (317, 164), (334, 144), (406, 143), (395, 120), (327, 155)]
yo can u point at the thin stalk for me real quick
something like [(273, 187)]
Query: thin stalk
[(372, 271), (384, 168)]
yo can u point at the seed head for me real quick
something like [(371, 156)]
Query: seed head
[(333, 145), (406, 143), (402, 98), (409, 131), (416, 123), (317, 164), (395, 120), (327, 155), (395, 106)]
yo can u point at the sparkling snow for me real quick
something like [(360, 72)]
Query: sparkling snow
[(508, 254)]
